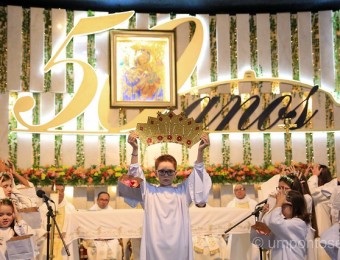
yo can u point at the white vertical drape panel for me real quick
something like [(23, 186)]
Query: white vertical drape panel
[(326, 51), (337, 152), (14, 47), (182, 41), (305, 47), (236, 148), (152, 152), (4, 98), (284, 46), (223, 46), (68, 148), (174, 149), (204, 60), (216, 145), (162, 18), (263, 44), (243, 44), (91, 143), (277, 147), (25, 149), (79, 52), (37, 49), (46, 140), (142, 21), (257, 149), (91, 150), (299, 147), (320, 147), (112, 149), (58, 72), (47, 149)]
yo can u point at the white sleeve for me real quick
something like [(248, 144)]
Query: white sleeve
[(286, 229), (315, 190), (136, 171), (22, 201), (199, 184)]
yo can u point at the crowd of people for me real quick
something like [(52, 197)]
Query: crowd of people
[(300, 215)]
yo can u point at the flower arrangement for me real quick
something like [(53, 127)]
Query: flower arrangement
[(109, 174)]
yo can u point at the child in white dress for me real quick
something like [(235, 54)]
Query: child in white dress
[(288, 222), (11, 224)]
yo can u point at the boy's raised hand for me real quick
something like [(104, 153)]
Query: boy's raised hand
[(205, 142), (132, 139)]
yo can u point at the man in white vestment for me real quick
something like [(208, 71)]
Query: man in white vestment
[(241, 199), (100, 249), (63, 209), (330, 238), (239, 244)]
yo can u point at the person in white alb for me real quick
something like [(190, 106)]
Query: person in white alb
[(99, 249), (239, 244)]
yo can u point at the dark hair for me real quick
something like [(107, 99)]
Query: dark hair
[(8, 202), (166, 158), (325, 175), (103, 192), (292, 181), (306, 190), (5, 176), (299, 208)]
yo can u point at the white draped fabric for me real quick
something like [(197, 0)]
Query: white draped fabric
[(127, 223)]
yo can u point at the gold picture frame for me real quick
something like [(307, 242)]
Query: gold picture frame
[(143, 69)]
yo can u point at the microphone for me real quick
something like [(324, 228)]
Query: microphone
[(262, 202), (42, 194)]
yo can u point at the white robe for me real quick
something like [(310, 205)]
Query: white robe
[(239, 245), (246, 202), (166, 228), (289, 236), (321, 202), (64, 208)]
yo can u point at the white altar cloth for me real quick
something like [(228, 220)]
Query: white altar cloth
[(127, 223)]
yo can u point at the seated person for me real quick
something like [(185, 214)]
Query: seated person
[(239, 244), (241, 199), (63, 209), (99, 249)]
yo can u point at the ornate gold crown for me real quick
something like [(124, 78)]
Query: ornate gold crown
[(171, 128)]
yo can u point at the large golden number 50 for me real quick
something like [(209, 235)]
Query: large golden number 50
[(89, 83)]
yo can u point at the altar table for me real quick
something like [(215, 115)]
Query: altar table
[(128, 223)]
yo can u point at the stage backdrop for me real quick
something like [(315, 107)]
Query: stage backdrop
[(290, 52)]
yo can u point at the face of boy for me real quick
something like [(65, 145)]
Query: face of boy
[(169, 176), (6, 216)]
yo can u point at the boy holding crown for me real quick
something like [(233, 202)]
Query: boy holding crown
[(166, 229)]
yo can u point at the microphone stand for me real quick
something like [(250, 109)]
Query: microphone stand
[(255, 213), (50, 214)]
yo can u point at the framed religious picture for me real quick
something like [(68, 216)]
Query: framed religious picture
[(143, 69)]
